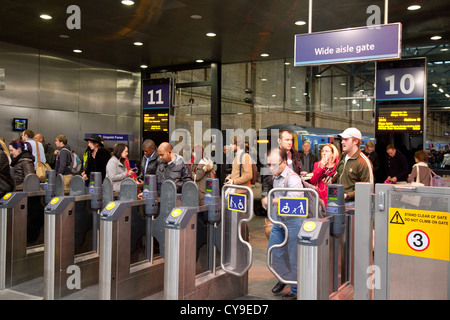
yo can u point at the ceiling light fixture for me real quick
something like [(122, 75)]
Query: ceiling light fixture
[(45, 16), (196, 17), (127, 2), (210, 34), (199, 61), (77, 51), (264, 54), (414, 7), (144, 66), (300, 23), (138, 43), (436, 38)]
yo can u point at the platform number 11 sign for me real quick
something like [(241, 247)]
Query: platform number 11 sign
[(156, 94)]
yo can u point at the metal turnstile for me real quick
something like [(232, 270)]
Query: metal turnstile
[(292, 211), (409, 257), (126, 272), (21, 230), (226, 282), (71, 259)]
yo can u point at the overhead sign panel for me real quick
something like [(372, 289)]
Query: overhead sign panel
[(348, 45)]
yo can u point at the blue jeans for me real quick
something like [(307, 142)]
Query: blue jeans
[(284, 259)]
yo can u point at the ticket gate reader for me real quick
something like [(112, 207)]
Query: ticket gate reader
[(71, 260), (119, 279), (180, 279), (313, 248), (213, 201), (21, 224), (324, 252)]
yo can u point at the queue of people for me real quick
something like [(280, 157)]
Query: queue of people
[(288, 168)]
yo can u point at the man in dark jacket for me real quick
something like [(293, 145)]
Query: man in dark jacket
[(285, 142), (172, 167), (150, 160), (369, 151), (63, 159), (396, 165), (6, 181), (307, 158)]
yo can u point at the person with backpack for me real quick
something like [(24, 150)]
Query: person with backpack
[(63, 159), (242, 170)]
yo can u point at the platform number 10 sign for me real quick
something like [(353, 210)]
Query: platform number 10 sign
[(400, 84)]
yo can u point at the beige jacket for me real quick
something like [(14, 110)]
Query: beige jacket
[(241, 174)]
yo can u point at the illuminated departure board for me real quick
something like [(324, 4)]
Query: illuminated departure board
[(398, 118), (157, 120)]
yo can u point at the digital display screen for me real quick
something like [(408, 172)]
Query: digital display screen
[(156, 120), (398, 118), (20, 124)]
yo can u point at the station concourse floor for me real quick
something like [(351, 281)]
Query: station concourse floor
[(261, 280)]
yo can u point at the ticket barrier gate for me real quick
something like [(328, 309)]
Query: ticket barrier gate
[(71, 260), (402, 251), (325, 251), (292, 211), (21, 229), (121, 228), (318, 239), (229, 281)]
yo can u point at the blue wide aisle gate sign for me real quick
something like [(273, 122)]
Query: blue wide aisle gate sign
[(237, 202), (296, 207)]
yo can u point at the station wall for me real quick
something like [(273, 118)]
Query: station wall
[(68, 95)]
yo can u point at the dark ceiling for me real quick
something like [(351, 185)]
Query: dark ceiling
[(244, 29)]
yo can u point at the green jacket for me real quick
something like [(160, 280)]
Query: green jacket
[(357, 169)]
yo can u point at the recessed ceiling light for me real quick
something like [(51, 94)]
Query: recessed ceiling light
[(77, 51), (264, 54), (444, 49), (300, 23), (144, 66), (211, 34), (263, 79), (196, 17), (434, 85), (199, 61), (436, 38), (127, 2), (64, 36), (414, 7), (287, 63), (138, 43), (45, 16)]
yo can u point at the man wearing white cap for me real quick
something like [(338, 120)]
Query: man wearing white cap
[(354, 165)]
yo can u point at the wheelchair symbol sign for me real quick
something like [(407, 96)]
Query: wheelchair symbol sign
[(296, 207), (237, 202)]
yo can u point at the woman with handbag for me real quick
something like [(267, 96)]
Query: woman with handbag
[(421, 173), (324, 170), (116, 169), (22, 161), (201, 168)]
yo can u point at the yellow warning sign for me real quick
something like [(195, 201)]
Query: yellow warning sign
[(419, 233)]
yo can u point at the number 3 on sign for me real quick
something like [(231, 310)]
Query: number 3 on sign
[(418, 240)]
